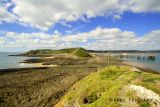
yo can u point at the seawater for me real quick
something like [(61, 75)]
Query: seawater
[(143, 60), (7, 62)]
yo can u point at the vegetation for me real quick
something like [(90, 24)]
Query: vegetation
[(39, 51), (80, 52), (98, 88)]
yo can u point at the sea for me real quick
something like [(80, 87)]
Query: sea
[(8, 62), (142, 60)]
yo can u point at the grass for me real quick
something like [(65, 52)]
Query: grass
[(96, 89), (150, 81), (145, 104), (98, 83), (79, 52)]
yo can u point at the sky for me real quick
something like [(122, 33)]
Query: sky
[(91, 24)]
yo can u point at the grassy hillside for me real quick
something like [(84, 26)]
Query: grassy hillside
[(100, 88), (80, 52)]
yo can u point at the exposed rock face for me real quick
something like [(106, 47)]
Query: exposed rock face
[(146, 94)]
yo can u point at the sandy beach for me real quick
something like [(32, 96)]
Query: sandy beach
[(41, 65)]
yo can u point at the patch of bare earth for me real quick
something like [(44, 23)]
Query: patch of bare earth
[(123, 95)]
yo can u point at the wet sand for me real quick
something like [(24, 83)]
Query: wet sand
[(41, 65)]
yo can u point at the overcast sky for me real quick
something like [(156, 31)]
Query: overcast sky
[(92, 24)]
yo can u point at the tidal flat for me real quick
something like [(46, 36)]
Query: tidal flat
[(44, 86)]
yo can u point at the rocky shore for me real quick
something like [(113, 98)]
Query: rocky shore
[(44, 86)]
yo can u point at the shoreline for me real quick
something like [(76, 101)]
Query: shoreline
[(33, 66), (11, 70), (36, 67), (30, 63), (140, 66), (39, 65)]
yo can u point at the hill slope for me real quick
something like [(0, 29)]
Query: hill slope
[(113, 88), (80, 52)]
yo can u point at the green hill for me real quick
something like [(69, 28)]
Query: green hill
[(80, 52), (39, 52)]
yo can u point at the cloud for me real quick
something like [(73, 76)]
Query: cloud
[(31, 41), (45, 14), (151, 40), (139, 6), (99, 39), (116, 39), (2, 40), (6, 16)]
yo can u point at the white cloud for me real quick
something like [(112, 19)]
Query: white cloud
[(2, 40), (99, 38), (139, 6), (116, 39), (6, 16), (44, 14)]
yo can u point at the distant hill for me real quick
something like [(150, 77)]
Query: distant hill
[(80, 52)]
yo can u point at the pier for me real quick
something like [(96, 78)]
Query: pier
[(138, 56)]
